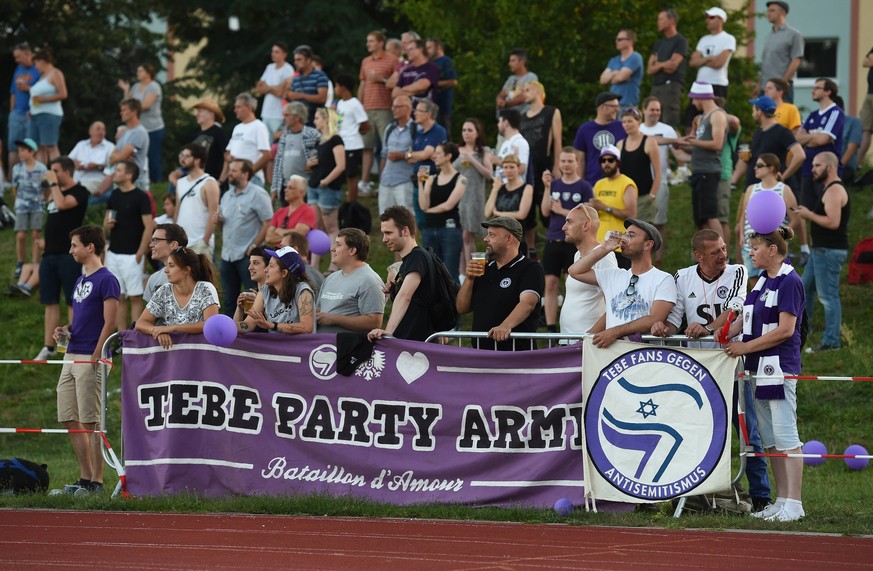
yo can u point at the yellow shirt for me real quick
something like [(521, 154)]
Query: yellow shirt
[(611, 193), (788, 116)]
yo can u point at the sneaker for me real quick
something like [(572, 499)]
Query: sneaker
[(364, 188), (18, 290), (68, 490), (92, 489), (46, 353), (768, 512), (18, 268), (784, 516), (820, 349)]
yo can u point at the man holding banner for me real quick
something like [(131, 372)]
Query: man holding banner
[(706, 292), (636, 299)]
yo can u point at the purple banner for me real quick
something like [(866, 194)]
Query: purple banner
[(417, 423)]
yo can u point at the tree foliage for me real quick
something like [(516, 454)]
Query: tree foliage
[(568, 41), (94, 43), (232, 61)]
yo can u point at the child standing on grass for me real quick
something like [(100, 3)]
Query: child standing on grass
[(27, 176)]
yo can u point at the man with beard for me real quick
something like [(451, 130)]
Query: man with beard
[(198, 196), (830, 245), (615, 197), (636, 298), (821, 132), (506, 291), (593, 136)]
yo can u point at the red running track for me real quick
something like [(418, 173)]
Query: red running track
[(104, 540)]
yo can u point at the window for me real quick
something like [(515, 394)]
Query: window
[(819, 58)]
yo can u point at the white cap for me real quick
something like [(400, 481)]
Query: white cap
[(718, 12)]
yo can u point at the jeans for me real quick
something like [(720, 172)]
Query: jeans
[(756, 467), (446, 244), (156, 145), (234, 277), (822, 276)]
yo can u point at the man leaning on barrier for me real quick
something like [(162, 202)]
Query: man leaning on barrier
[(506, 292), (636, 298), (706, 294)]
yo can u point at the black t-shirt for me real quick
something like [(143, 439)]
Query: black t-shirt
[(416, 323), (214, 140), (777, 140), (497, 292), (326, 163), (130, 207), (59, 223), (664, 50), (535, 131)]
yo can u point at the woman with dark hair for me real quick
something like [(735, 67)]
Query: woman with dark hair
[(767, 167), (285, 303), (474, 164), (438, 198), (46, 112), (149, 93), (771, 341), (183, 304), (259, 259)]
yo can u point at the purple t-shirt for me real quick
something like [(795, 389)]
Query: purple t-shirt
[(88, 297), (570, 195), (411, 74), (791, 300), (828, 121), (590, 139)]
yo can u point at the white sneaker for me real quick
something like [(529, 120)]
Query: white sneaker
[(45, 353), (769, 511), (364, 188), (784, 515)]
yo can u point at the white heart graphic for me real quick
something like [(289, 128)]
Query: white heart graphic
[(412, 367)]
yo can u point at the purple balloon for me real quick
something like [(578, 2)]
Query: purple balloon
[(765, 211), (563, 507), (814, 447), (319, 241), (856, 463), (220, 330)]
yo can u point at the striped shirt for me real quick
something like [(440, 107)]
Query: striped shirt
[(375, 95)]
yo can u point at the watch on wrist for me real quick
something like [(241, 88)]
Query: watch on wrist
[(609, 209), (408, 155), (275, 326)]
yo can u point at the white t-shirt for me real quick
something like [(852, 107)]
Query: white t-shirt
[(248, 140), (273, 76), (518, 146), (350, 115), (701, 301), (654, 285), (86, 153), (710, 45), (661, 130), (583, 303)]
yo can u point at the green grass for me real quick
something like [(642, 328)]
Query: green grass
[(837, 413)]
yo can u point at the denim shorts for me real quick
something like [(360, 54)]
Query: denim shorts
[(777, 419), (324, 197), (18, 126), (45, 129)]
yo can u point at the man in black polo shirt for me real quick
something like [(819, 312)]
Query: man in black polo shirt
[(507, 295)]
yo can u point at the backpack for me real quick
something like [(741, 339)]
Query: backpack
[(355, 215), (861, 264), (19, 476), (443, 309), (413, 130)]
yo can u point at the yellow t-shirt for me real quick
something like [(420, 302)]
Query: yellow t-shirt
[(788, 116), (611, 193)]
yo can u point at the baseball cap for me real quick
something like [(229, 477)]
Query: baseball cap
[(783, 5), (718, 12), (765, 104), (650, 231), (610, 150), (605, 96), (29, 143), (701, 90), (290, 258), (510, 224)]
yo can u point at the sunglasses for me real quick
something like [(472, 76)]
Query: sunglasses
[(760, 166), (632, 286), (607, 160)]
